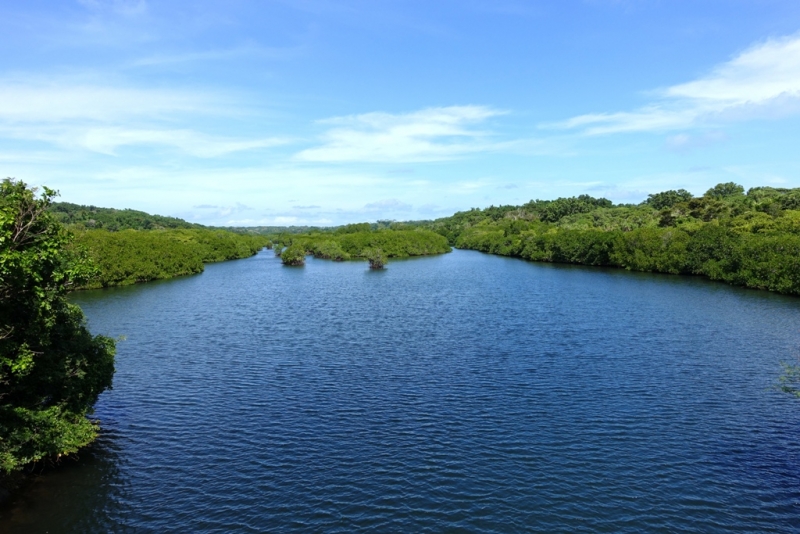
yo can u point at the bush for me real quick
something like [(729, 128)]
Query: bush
[(375, 258), (294, 255), (51, 368)]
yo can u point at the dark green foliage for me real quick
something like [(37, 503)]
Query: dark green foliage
[(725, 190), (271, 230), (652, 249), (452, 227), (294, 255), (588, 247), (393, 243), (133, 256), (751, 240), (51, 368), (92, 217), (620, 218), (791, 201), (353, 228), (375, 258), (563, 207), (130, 246), (328, 250), (667, 199)]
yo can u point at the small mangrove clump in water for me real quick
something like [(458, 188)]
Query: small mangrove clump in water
[(375, 258), (294, 255)]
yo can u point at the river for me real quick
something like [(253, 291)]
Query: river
[(457, 393)]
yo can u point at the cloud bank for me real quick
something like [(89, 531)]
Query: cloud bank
[(432, 134), (761, 82), (104, 118)]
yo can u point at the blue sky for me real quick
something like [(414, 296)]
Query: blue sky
[(326, 111)]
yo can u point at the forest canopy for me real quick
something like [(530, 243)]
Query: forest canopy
[(128, 246), (750, 239)]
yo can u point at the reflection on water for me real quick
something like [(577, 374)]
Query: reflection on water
[(462, 392), (75, 497)]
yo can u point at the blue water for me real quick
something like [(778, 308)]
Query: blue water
[(459, 393)]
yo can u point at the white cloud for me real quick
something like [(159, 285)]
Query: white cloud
[(103, 119), (684, 142), (431, 134), (760, 73), (64, 100), (123, 7), (162, 59), (389, 204), (762, 81), (108, 140)]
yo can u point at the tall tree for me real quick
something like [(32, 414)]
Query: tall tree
[(52, 370)]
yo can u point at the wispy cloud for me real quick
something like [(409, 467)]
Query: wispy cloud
[(762, 81), (684, 142), (67, 100), (124, 7), (108, 140), (103, 119), (226, 54), (431, 134), (389, 204)]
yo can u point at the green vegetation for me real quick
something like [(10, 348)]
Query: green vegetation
[(51, 368), (751, 239), (129, 246), (92, 217), (375, 258), (294, 255), (359, 241), (132, 256)]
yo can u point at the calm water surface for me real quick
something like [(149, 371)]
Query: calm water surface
[(461, 393)]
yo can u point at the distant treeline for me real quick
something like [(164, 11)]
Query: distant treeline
[(292, 230), (129, 246), (93, 218), (360, 241), (750, 239)]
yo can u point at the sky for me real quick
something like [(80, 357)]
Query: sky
[(324, 112)]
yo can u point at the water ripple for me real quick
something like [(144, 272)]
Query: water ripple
[(458, 393)]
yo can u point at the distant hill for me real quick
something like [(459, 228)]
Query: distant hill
[(92, 217), (271, 230)]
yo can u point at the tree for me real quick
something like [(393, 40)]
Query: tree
[(375, 258), (294, 255), (667, 199), (726, 190), (52, 370)]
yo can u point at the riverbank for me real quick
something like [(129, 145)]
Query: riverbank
[(134, 256), (750, 240)]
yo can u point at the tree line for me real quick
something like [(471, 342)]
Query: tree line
[(360, 241), (94, 218), (133, 256), (129, 246), (749, 239)]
